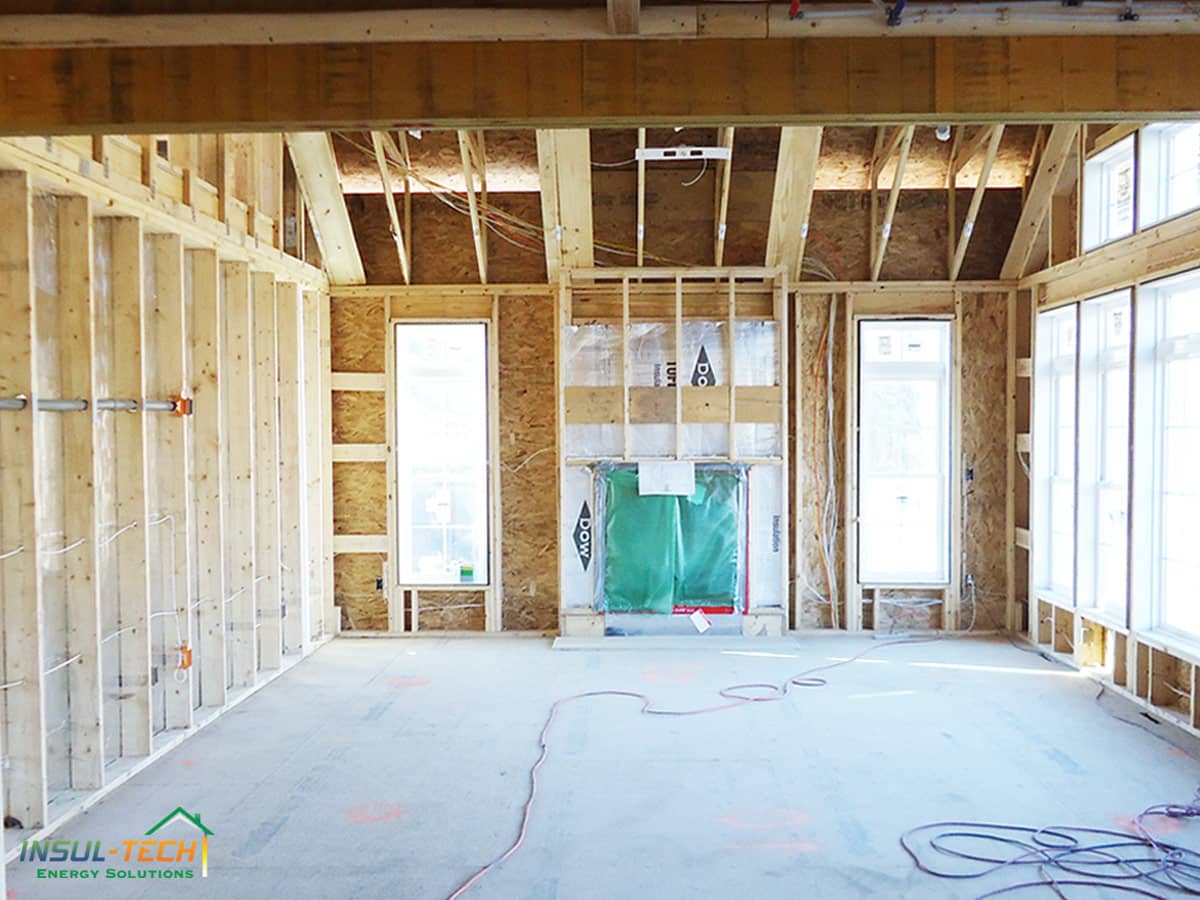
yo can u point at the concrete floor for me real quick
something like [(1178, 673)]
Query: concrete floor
[(394, 768)]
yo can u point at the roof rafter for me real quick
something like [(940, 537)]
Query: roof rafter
[(316, 170), (968, 227), (565, 168), (379, 142), (885, 230), (1058, 148), (791, 203)]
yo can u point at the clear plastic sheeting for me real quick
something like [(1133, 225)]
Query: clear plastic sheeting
[(593, 359), (759, 440), (756, 354)]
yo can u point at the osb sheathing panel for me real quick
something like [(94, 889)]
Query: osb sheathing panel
[(442, 249), (810, 458), (360, 498), (984, 443), (450, 611), (358, 334), (359, 417), (363, 606), (528, 465)]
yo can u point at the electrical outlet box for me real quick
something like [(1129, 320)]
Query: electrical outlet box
[(379, 584)]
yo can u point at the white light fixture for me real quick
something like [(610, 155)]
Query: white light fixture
[(942, 133), (675, 154)]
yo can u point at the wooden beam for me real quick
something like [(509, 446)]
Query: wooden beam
[(317, 172), (209, 474), (624, 16), (565, 163), (1038, 198), (380, 141), (315, 515), (689, 21), (885, 229), (24, 719), (266, 474), (889, 80), (968, 150), (968, 228), (330, 621), (291, 483), (795, 177), (239, 500), (721, 201), (478, 227)]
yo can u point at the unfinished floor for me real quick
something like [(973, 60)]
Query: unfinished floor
[(396, 767)]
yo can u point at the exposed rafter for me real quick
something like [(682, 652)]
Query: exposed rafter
[(885, 229), (1038, 198), (380, 142), (959, 251), (317, 172), (565, 168), (791, 203), (721, 201), (474, 163)]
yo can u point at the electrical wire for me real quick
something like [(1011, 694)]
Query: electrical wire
[(735, 695), (700, 174), (1064, 855)]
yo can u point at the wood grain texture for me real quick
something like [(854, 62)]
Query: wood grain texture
[(359, 417), (362, 607), (359, 498), (358, 334)]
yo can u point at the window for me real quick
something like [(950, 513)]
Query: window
[(1168, 450), (1104, 330), (1169, 171), (1108, 194), (904, 452), (1054, 453), (442, 453)]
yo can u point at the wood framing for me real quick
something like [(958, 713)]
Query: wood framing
[(470, 146), (903, 143), (268, 573), (795, 178), (317, 172), (573, 82), (565, 166), (240, 499), (959, 249), (380, 142), (724, 176), (1038, 198), (292, 490), (624, 16)]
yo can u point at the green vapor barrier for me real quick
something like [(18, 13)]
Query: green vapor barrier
[(666, 551)]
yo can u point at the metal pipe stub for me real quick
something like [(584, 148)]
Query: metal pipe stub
[(13, 403)]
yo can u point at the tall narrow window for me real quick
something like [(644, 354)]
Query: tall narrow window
[(1168, 171), (1054, 453), (1108, 194), (1168, 447), (441, 453), (904, 452), (1104, 331)]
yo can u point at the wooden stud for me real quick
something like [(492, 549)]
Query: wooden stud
[(239, 500), (624, 16), (1011, 615), (641, 199), (330, 623), (852, 593), (129, 536), (268, 573), (170, 377), (25, 747), (292, 490), (209, 477), (314, 567)]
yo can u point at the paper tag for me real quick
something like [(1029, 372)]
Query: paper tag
[(701, 621), (668, 477)]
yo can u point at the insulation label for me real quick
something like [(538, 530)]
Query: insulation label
[(702, 374), (583, 536)]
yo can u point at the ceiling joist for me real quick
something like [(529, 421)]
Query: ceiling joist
[(565, 170), (1059, 145), (624, 16), (791, 203), (316, 170)]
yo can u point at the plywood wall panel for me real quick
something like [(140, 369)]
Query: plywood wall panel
[(984, 448), (359, 498), (358, 335), (450, 611), (361, 605), (528, 465), (359, 417)]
